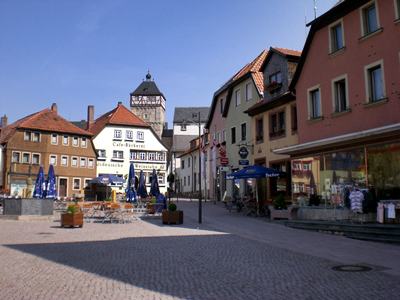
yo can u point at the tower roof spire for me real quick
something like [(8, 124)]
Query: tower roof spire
[(148, 76)]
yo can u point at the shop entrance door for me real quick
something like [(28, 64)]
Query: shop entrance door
[(63, 187)]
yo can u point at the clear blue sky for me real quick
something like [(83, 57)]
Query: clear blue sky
[(78, 52)]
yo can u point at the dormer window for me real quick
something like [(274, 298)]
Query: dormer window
[(274, 82), (183, 127)]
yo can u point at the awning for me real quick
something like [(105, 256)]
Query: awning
[(350, 137), (108, 179), (254, 172)]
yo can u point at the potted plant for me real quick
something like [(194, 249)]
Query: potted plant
[(172, 215), (73, 217), (280, 210)]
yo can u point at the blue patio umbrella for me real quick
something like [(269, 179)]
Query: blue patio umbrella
[(39, 184), (142, 191), (51, 183), (154, 189), (130, 188)]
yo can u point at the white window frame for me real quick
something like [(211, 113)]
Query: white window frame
[(50, 156), (80, 162), (38, 154), (248, 91), (27, 136), (397, 9), (51, 138), (61, 160), (84, 182), (362, 8), (118, 158), (63, 137), (367, 83), (29, 157), (129, 135), (90, 160), (144, 155), (39, 137), (237, 97), (311, 89), (241, 132), (333, 82), (73, 184), (117, 134), (77, 161), (58, 185), (84, 142), (331, 49), (140, 135), (75, 138), (102, 157), (223, 135)]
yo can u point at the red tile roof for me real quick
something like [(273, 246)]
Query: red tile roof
[(286, 51), (45, 120), (118, 116)]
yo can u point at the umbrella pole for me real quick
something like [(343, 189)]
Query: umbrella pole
[(258, 206)]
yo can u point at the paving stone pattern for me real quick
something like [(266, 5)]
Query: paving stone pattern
[(146, 260)]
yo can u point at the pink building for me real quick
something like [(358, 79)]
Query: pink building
[(347, 88)]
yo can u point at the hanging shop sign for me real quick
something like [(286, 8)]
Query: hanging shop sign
[(243, 162), (243, 152)]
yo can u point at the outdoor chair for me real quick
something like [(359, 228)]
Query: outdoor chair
[(127, 213), (112, 213), (88, 211)]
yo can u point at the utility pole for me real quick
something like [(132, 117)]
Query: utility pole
[(200, 208), (315, 9)]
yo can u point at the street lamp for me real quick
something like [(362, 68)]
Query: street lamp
[(199, 124)]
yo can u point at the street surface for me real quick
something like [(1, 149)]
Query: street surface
[(229, 256)]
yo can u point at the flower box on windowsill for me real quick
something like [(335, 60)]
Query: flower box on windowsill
[(273, 87)]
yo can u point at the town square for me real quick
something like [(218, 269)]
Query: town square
[(200, 150)]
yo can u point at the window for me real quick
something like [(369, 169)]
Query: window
[(129, 135), (64, 160), (397, 9), (87, 182), (16, 157), (223, 135), (54, 138), (140, 136), (233, 135), (117, 134), (26, 158), (75, 141), (83, 142), (249, 92), (275, 78), (145, 116), (369, 18), (340, 95), (76, 184), (259, 130), (189, 183), (183, 163), (336, 37), (65, 140), (91, 163), (27, 136), (53, 160), (294, 118), (35, 158), (74, 161), (161, 179), (375, 82), (243, 127), (133, 155), (183, 127), (237, 97), (314, 103), (101, 153), (277, 124), (143, 155), (117, 154), (36, 137), (184, 181), (152, 156), (188, 162), (221, 104), (82, 163)]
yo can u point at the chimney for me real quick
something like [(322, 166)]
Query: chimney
[(54, 107), (119, 103), (4, 121), (90, 116)]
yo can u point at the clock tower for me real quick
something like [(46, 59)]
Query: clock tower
[(148, 103)]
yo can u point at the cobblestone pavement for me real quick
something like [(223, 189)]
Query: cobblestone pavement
[(228, 257)]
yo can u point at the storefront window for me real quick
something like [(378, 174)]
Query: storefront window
[(384, 170), (306, 176)]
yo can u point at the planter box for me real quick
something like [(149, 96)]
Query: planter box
[(172, 217), (72, 220), (28, 207), (290, 213)]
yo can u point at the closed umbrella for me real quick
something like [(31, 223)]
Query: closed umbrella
[(154, 190), (39, 184), (142, 191), (130, 189), (51, 183)]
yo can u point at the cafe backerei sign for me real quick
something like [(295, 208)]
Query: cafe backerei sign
[(129, 145)]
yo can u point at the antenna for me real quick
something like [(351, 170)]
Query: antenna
[(315, 9)]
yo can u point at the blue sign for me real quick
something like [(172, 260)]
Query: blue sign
[(243, 162)]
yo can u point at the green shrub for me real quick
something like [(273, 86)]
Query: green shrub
[(279, 202), (172, 207), (72, 209)]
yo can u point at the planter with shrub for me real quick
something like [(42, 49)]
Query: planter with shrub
[(172, 215), (73, 217)]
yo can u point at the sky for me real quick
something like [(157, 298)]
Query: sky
[(78, 52)]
